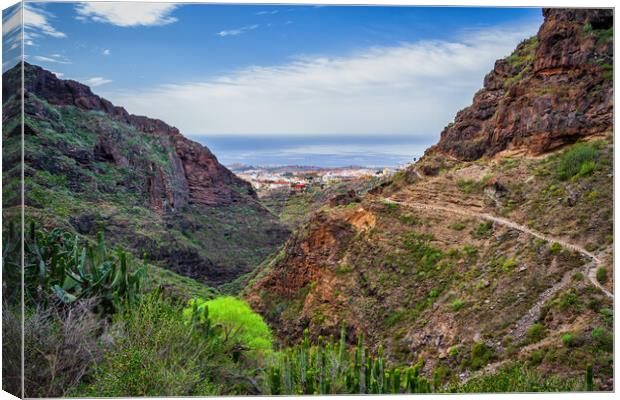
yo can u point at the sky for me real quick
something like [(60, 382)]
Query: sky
[(277, 69)]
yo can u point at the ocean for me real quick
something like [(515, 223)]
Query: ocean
[(316, 150)]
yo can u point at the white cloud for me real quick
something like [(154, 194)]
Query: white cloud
[(11, 20), (107, 52), (96, 81), (37, 22), (54, 58), (58, 74), (267, 12), (127, 13), (235, 32), (413, 89)]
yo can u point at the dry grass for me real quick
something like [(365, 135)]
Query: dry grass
[(60, 348)]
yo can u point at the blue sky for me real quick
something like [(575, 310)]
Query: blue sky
[(234, 69)]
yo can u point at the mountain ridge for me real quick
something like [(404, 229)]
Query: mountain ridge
[(90, 166), (556, 88)]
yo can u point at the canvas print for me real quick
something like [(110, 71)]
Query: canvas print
[(275, 199)]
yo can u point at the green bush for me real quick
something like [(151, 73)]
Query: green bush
[(601, 275), (457, 226), (555, 248), (471, 252), (155, 353), (569, 300), (457, 304), (580, 160), (607, 314), (468, 186), (535, 333), (509, 264), (603, 339), (236, 319), (568, 339), (483, 230), (480, 355), (537, 356), (518, 378)]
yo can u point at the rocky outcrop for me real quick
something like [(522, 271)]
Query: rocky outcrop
[(556, 88), (303, 278), (194, 174)]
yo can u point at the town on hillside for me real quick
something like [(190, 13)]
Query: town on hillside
[(303, 178)]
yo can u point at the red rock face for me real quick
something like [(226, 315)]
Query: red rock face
[(556, 88), (196, 177)]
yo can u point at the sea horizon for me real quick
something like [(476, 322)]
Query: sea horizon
[(320, 150)]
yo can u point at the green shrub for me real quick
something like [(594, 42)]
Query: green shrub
[(568, 339), (457, 304), (471, 252), (457, 226), (569, 300), (394, 318), (391, 206), (509, 264), (587, 168), (555, 248), (535, 333), (483, 230), (603, 339), (468, 186), (581, 159), (155, 353), (537, 356), (601, 275), (480, 355), (519, 378), (236, 319), (607, 314)]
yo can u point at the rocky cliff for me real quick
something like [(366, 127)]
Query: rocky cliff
[(91, 165), (556, 88), (195, 176)]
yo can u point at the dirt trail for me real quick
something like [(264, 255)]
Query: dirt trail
[(530, 317), (590, 268)]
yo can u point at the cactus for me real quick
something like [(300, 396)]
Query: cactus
[(589, 378), (57, 263), (380, 370), (328, 368), (396, 382), (275, 381), (362, 367), (288, 369)]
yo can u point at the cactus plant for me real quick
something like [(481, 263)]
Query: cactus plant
[(59, 266)]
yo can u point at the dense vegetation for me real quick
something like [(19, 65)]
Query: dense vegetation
[(92, 328)]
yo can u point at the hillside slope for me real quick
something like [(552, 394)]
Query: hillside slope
[(496, 246), (90, 165)]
